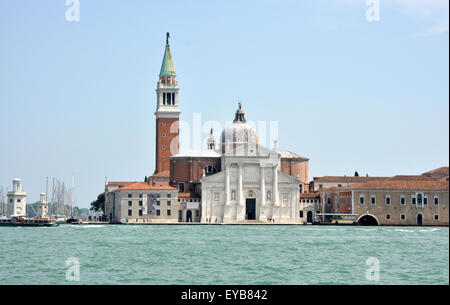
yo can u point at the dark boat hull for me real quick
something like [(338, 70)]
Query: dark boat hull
[(10, 224)]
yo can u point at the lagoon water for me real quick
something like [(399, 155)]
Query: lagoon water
[(214, 254)]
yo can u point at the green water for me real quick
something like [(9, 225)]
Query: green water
[(183, 254)]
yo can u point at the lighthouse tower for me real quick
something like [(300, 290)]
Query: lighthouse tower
[(17, 200), (42, 206), (167, 114)]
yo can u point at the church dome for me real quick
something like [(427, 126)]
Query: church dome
[(240, 132)]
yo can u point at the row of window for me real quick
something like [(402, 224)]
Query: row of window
[(418, 200), (157, 195), (403, 217), (168, 98), (130, 203), (309, 200), (158, 212), (188, 200)]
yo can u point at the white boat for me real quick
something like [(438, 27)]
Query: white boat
[(18, 220)]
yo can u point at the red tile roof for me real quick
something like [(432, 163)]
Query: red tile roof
[(123, 183), (440, 170), (399, 185), (184, 195), (286, 154), (410, 178), (145, 186), (348, 179), (309, 195)]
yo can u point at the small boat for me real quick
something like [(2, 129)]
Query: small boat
[(16, 221), (335, 219), (60, 218), (73, 221)]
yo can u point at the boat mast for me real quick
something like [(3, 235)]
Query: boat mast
[(46, 192), (72, 194)]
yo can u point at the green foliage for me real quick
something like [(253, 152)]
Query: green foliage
[(99, 204)]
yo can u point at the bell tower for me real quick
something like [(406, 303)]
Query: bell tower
[(167, 114)]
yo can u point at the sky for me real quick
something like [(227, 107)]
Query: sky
[(77, 98)]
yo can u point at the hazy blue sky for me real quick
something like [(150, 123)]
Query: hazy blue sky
[(77, 98)]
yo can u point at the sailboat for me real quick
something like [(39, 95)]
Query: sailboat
[(72, 219)]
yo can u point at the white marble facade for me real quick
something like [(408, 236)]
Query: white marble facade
[(250, 187)]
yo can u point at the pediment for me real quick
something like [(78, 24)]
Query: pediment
[(217, 177), (284, 178)]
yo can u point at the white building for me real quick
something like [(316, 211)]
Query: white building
[(250, 185), (16, 200), (42, 206)]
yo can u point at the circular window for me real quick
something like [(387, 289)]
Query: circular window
[(164, 147), (164, 158), (164, 135), (164, 123)]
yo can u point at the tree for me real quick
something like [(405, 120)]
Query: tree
[(99, 204), (356, 174)]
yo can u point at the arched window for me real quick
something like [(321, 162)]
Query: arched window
[(419, 200)]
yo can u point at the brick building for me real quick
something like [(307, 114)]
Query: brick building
[(401, 200)]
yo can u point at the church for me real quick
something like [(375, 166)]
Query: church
[(250, 185), (236, 180)]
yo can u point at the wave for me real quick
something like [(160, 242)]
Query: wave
[(89, 226)]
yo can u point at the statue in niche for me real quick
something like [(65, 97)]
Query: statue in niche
[(269, 196)]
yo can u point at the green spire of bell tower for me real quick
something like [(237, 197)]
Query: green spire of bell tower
[(167, 68)]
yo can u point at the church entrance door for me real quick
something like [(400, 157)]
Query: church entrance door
[(250, 209)]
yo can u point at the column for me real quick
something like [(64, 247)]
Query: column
[(275, 185), (241, 208), (227, 208), (262, 208), (204, 207), (227, 185), (276, 208)]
